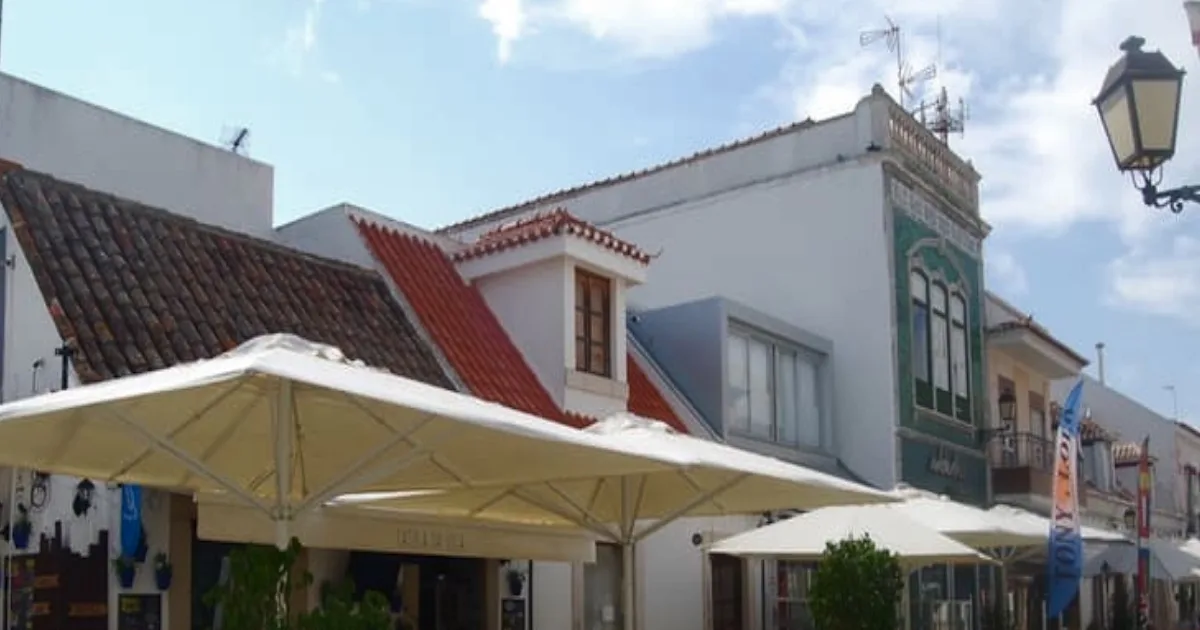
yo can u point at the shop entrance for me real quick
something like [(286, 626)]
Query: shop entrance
[(426, 592)]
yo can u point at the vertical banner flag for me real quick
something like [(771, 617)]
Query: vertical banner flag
[(1064, 564), (1142, 584), (131, 519)]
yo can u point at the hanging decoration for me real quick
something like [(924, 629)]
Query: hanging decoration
[(39, 491), (85, 492), (131, 519)]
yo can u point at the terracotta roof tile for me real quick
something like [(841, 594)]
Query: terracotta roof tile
[(136, 288), (474, 341), (647, 401), (460, 322), (555, 223)]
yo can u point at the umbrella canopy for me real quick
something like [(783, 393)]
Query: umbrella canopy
[(967, 524), (706, 479), (1028, 521), (1169, 560), (804, 537), (285, 425)]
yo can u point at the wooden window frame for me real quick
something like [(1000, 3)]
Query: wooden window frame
[(585, 310)]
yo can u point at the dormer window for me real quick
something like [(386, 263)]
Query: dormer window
[(593, 324)]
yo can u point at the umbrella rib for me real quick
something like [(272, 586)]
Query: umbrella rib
[(222, 438), (596, 493), (699, 489), (218, 399), (336, 487), (583, 512), (582, 521), (688, 507), (493, 500), (186, 459)]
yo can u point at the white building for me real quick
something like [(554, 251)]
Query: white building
[(817, 295)]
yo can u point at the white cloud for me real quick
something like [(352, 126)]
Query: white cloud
[(508, 23), (1027, 70), (1006, 274), (1163, 279), (297, 50)]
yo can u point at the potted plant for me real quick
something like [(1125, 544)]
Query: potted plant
[(162, 571), (516, 582), (22, 528), (126, 569), (856, 586)]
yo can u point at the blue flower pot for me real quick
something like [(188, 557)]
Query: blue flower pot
[(20, 537), (125, 576), (162, 578)]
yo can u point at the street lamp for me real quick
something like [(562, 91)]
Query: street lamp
[(1139, 108), (1008, 408), (1130, 519)]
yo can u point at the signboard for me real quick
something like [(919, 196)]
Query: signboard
[(139, 612), (512, 613), (944, 463)]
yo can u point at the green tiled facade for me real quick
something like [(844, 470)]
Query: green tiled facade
[(939, 452)]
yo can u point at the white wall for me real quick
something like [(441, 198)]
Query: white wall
[(785, 249), (49, 132)]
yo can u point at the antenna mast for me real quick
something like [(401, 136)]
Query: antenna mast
[(939, 116), (906, 78), (236, 139)]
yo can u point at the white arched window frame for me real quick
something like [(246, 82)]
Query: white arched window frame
[(960, 364), (920, 347)]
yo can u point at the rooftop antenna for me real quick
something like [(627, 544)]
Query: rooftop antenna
[(939, 116), (906, 78), (236, 139)]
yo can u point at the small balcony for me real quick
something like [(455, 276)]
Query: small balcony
[(1023, 466)]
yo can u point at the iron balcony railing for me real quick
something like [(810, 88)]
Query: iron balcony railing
[(1021, 450)]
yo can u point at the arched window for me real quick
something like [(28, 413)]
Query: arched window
[(919, 288), (959, 366), (939, 348)]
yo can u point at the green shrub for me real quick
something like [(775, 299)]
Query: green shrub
[(856, 586)]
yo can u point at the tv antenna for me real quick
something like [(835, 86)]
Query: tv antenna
[(906, 77), (939, 116), (237, 140)]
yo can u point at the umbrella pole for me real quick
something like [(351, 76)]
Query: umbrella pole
[(628, 590), (283, 463)]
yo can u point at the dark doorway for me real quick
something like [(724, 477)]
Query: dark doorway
[(428, 592), (728, 589)]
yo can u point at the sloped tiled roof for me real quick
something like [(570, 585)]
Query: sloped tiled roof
[(136, 288), (471, 337), (556, 223), (566, 193), (459, 321)]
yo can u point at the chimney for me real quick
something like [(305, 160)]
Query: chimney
[(1100, 362)]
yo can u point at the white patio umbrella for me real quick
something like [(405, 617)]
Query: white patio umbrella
[(285, 425), (1169, 560), (707, 479), (804, 537), (1028, 521), (965, 523)]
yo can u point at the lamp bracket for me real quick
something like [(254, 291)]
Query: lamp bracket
[(1172, 198)]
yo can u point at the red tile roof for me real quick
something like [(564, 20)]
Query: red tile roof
[(459, 321), (474, 341), (540, 226), (647, 401)]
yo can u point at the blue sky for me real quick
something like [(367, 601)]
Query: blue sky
[(434, 110)]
